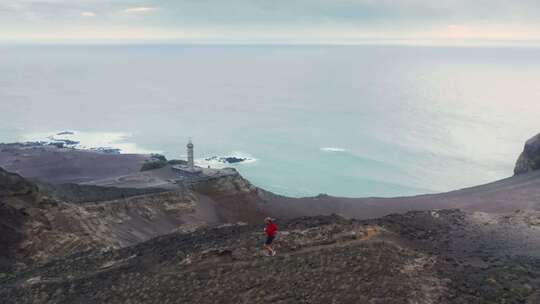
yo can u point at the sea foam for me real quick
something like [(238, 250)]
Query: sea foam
[(333, 149), (100, 141), (219, 162)]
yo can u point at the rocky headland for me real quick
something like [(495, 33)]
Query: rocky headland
[(529, 160), (91, 227)]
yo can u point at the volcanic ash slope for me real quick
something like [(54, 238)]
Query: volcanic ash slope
[(419, 257)]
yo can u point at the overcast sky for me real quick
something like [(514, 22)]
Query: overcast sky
[(269, 20)]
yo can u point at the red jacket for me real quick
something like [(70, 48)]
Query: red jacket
[(270, 229)]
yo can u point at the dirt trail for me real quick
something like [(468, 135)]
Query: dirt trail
[(226, 256)]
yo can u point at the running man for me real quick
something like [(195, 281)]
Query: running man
[(270, 231)]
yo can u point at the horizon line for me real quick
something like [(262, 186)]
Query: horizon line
[(442, 42)]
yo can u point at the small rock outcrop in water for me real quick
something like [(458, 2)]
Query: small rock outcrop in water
[(228, 159), (529, 160)]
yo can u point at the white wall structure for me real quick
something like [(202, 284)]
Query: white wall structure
[(190, 161)]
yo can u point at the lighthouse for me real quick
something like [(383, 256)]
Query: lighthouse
[(190, 162), (188, 168)]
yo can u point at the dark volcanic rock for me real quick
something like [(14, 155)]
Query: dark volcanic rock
[(419, 257), (227, 159), (12, 184), (175, 162), (11, 235), (233, 160), (75, 193), (38, 224), (529, 160), (14, 192)]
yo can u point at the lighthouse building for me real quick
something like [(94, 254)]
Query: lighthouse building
[(190, 161), (189, 167)]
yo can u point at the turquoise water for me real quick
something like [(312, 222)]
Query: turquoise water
[(342, 120)]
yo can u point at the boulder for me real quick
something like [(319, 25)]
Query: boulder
[(529, 160), (12, 184)]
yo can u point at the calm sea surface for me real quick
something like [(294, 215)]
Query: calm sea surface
[(349, 121)]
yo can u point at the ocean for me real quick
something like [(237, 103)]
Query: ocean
[(342, 120)]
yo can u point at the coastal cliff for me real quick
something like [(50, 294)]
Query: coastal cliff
[(232, 196), (16, 195), (117, 238), (40, 224)]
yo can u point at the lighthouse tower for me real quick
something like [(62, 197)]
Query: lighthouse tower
[(190, 162)]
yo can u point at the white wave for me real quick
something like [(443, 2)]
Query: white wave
[(89, 140), (333, 149), (220, 162)]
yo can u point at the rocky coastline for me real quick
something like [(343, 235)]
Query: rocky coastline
[(91, 227)]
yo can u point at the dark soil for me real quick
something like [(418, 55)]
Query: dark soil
[(420, 257)]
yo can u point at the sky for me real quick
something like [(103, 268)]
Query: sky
[(289, 21)]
